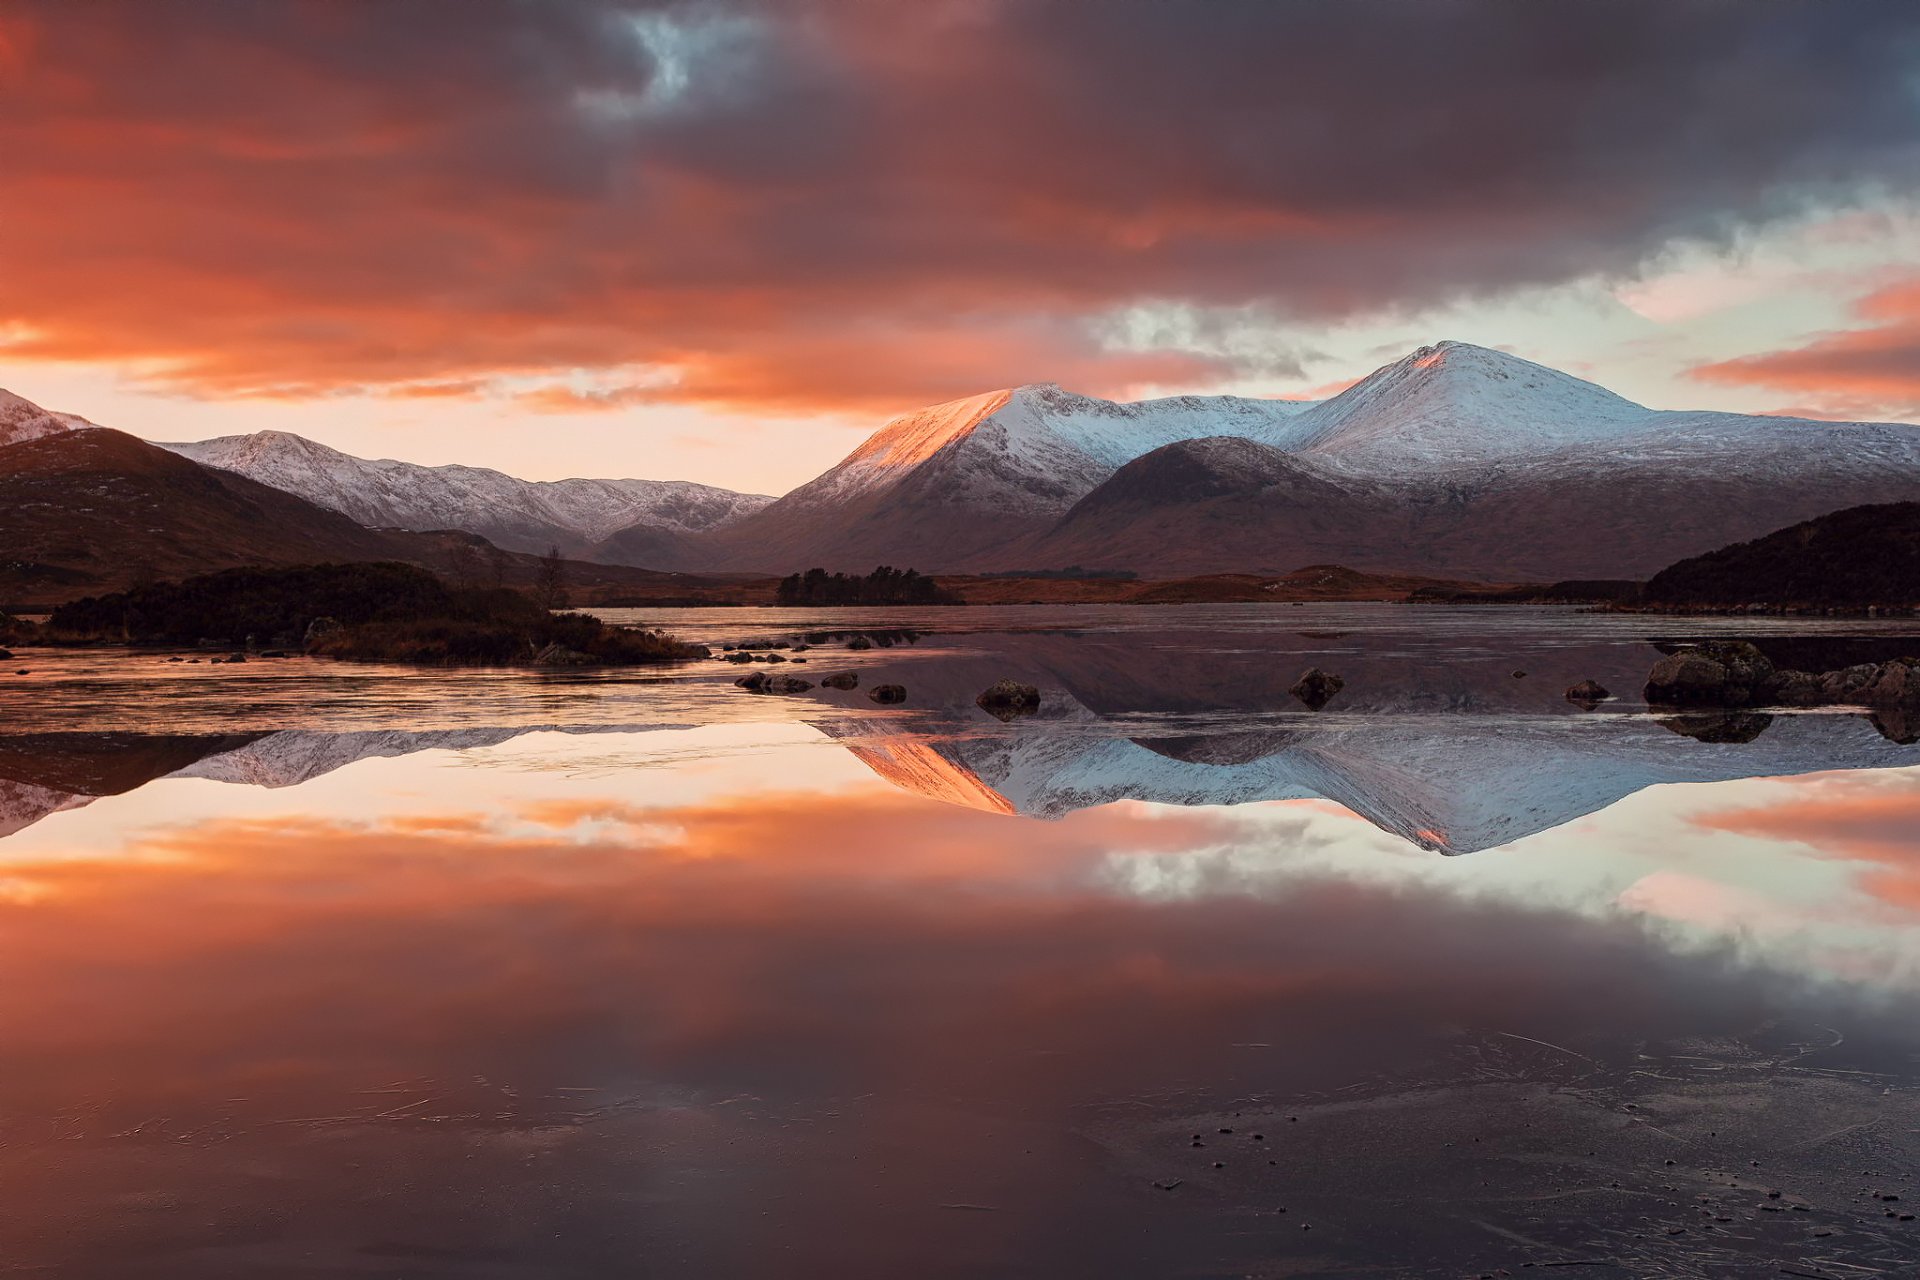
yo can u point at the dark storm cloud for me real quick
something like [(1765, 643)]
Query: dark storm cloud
[(815, 204)]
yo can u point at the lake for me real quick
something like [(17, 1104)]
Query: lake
[(327, 970)]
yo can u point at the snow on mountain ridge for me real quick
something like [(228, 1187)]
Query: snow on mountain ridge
[(22, 420), (1455, 402), (520, 514), (1044, 430)]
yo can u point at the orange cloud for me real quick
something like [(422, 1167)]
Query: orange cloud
[(1872, 372), (814, 206)]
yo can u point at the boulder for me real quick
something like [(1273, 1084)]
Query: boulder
[(1723, 673), (887, 694), (1848, 684), (1588, 693), (236, 657), (1316, 688), (840, 680), (1687, 679), (788, 684), (6, 655), (754, 681), (772, 657), (1793, 689), (1008, 699), (859, 642), (739, 655), (1746, 666), (1897, 684)]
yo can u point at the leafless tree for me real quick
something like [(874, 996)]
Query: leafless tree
[(550, 581)]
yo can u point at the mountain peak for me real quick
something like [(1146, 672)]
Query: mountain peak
[(1457, 402)]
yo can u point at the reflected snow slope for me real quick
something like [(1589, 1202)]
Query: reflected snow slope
[(1452, 730)]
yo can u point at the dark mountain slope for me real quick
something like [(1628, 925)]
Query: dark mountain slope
[(90, 510), (1860, 556), (1221, 506), (1200, 506)]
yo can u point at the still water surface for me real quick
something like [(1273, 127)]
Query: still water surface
[(318, 970)]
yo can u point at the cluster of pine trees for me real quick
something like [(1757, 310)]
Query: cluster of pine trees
[(885, 585)]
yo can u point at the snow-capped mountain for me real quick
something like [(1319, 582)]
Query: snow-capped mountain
[(956, 482), (521, 515), (1453, 403), (1455, 460), (22, 420), (1040, 430)]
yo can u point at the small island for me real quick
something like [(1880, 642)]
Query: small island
[(375, 612)]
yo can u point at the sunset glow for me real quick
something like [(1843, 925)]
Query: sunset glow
[(678, 217)]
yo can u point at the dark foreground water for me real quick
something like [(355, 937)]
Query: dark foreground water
[(315, 970)]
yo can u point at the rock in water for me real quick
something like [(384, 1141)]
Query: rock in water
[(859, 642), (1588, 693), (1897, 684), (1009, 699), (840, 680), (754, 682), (1728, 673), (889, 693), (788, 684), (1316, 688)]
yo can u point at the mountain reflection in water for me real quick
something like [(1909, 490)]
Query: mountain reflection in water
[(658, 979), (1452, 736)]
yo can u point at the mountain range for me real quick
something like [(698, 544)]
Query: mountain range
[(521, 515), (85, 509), (1456, 461)]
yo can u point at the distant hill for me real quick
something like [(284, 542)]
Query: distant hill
[(1868, 555), (89, 510)]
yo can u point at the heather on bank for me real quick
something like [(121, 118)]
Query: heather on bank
[(359, 612)]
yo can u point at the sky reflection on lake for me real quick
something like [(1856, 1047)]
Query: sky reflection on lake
[(717, 1001)]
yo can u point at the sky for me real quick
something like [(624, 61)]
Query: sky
[(723, 241)]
